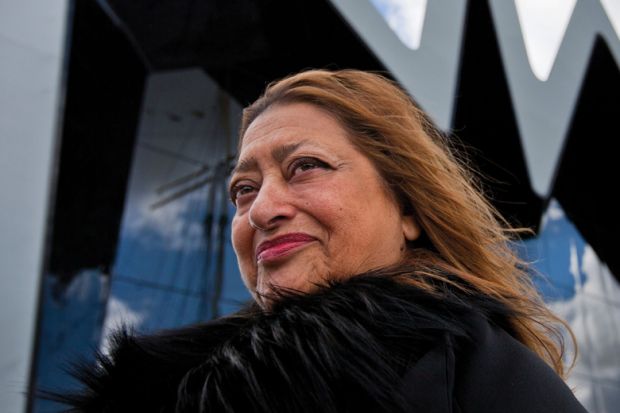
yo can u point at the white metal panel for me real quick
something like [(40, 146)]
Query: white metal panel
[(32, 35)]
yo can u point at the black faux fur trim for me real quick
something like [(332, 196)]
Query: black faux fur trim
[(344, 348)]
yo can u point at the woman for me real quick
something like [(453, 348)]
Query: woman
[(382, 279)]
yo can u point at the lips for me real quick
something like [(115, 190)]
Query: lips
[(281, 246)]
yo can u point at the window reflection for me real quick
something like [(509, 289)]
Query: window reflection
[(581, 290)]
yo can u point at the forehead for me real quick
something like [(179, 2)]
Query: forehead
[(291, 123)]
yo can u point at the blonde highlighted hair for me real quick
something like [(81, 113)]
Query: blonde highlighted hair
[(463, 235)]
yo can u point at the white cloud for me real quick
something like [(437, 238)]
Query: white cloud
[(543, 25), (405, 18), (554, 212), (612, 8), (595, 323), (118, 314), (178, 224)]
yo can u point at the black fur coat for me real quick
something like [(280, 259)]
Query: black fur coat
[(368, 344)]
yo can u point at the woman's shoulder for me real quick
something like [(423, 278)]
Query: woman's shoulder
[(489, 372)]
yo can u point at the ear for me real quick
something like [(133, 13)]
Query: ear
[(411, 229)]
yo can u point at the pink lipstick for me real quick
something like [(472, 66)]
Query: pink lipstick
[(281, 246)]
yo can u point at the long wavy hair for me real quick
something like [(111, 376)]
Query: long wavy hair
[(465, 241)]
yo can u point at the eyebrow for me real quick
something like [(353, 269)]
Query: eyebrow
[(279, 154)]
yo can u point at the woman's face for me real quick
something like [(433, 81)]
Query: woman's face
[(310, 206)]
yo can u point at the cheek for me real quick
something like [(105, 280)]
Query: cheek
[(362, 224), (241, 237), (237, 235), (337, 212)]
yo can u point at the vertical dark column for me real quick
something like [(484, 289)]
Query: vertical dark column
[(103, 98), (485, 122), (588, 178)]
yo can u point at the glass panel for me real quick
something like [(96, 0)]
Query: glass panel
[(582, 291), (174, 263)]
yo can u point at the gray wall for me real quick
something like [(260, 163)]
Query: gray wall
[(32, 35)]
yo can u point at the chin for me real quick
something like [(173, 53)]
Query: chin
[(269, 293)]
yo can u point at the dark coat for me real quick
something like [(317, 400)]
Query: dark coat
[(368, 344)]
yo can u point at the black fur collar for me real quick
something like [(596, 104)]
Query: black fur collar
[(344, 348)]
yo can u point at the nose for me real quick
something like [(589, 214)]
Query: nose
[(272, 206)]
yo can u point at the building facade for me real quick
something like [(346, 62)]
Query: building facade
[(140, 134)]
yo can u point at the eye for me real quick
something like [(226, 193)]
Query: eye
[(305, 164), (241, 192)]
